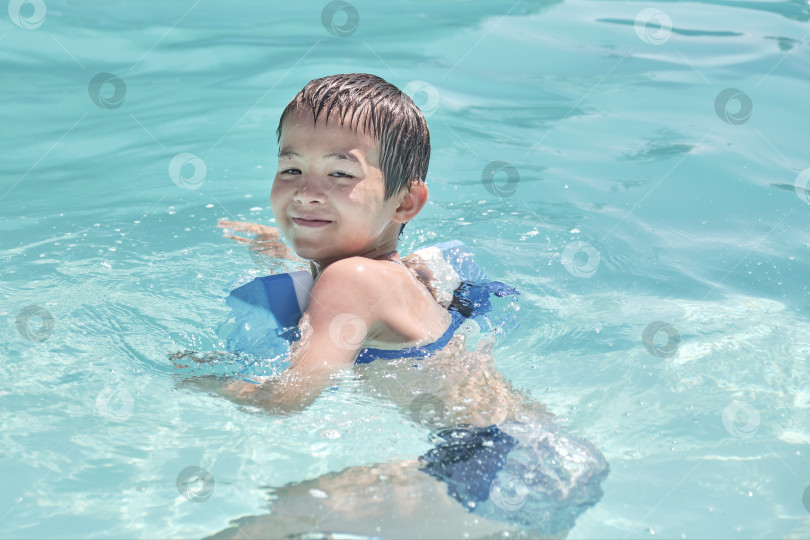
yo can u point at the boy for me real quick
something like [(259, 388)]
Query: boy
[(353, 156)]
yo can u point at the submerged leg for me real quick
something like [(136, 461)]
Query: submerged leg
[(394, 500), (527, 480)]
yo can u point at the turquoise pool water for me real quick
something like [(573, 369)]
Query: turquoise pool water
[(650, 166)]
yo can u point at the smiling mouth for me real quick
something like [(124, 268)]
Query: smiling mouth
[(310, 222)]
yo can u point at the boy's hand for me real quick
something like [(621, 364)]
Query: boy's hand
[(280, 394), (262, 232), (425, 275), (267, 240)]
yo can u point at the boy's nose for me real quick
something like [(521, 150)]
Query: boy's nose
[(309, 190)]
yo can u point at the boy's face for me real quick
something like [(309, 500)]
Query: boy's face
[(328, 192)]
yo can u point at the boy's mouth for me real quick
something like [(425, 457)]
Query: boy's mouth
[(310, 222)]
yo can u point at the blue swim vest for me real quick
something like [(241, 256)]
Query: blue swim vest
[(265, 312)]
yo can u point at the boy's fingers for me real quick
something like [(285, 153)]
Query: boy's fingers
[(239, 239), (205, 383), (485, 347), (222, 223), (236, 225), (239, 388), (262, 232)]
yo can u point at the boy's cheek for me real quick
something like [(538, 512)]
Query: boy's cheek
[(276, 191), (276, 207)]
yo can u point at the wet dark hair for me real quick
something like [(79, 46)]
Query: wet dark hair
[(387, 114)]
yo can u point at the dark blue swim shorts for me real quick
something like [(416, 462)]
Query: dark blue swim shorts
[(525, 474)]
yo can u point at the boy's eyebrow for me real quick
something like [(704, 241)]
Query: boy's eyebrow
[(333, 155)]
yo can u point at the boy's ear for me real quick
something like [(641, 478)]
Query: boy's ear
[(413, 198)]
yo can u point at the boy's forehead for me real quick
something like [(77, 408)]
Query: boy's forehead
[(303, 120), (343, 135)]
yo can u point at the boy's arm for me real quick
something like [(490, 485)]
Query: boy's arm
[(267, 239), (333, 330)]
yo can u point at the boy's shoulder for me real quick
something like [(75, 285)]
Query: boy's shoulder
[(356, 280), (355, 265), (382, 297)]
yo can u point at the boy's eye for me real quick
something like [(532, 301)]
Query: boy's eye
[(294, 171)]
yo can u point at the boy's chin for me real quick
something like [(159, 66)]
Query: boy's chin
[(311, 253)]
